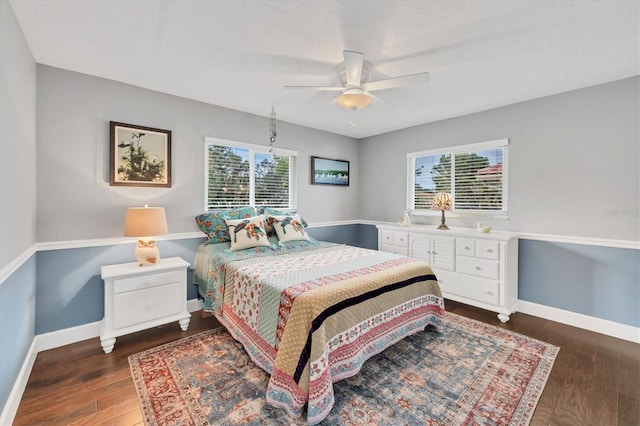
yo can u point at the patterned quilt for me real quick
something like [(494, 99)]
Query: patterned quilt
[(311, 314)]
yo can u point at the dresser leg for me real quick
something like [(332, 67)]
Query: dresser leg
[(503, 317), (184, 323), (108, 344)]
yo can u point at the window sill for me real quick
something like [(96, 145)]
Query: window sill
[(461, 215)]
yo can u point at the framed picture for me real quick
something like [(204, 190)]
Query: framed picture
[(139, 156), (325, 171)]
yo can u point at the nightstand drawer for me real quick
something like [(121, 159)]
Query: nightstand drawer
[(146, 281), (135, 307), (478, 267)]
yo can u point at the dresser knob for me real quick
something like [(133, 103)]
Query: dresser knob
[(149, 305), (488, 291), (478, 268)]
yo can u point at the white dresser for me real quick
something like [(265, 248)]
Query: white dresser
[(473, 268), (140, 297)]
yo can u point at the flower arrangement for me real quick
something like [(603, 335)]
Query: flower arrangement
[(442, 201)]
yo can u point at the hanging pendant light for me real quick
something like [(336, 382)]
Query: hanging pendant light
[(272, 128)]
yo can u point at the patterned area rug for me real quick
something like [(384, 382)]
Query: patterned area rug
[(469, 373)]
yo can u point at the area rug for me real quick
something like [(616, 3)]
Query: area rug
[(468, 373)]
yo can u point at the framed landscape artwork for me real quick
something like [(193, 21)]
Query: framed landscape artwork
[(325, 171), (139, 156)]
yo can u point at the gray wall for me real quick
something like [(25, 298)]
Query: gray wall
[(573, 162), (17, 197), (17, 139), (74, 197)]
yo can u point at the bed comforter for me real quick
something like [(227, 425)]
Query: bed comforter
[(312, 313)]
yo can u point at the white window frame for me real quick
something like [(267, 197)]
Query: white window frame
[(498, 143), (253, 149)]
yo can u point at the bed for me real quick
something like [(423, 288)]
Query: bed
[(311, 313)]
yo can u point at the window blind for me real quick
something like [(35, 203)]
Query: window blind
[(475, 175), (241, 174)]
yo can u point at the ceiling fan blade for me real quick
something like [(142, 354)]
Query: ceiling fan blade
[(378, 98), (353, 62), (390, 83), (324, 88)]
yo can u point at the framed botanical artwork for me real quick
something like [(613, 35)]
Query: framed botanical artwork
[(325, 171), (139, 156)]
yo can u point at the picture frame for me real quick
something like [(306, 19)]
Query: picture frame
[(139, 156), (327, 171)]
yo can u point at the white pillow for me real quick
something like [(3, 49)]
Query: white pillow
[(288, 228), (247, 233)]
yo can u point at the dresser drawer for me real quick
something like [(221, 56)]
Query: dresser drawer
[(147, 281), (135, 307), (480, 289), (401, 239), (488, 249), (466, 247), (386, 237), (389, 248), (478, 267)]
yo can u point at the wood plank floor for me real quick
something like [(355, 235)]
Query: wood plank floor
[(595, 379)]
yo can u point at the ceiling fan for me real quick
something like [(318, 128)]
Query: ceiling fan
[(356, 89)]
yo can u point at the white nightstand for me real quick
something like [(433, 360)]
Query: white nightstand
[(140, 297)]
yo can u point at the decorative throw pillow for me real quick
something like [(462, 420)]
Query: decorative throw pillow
[(266, 211), (288, 228), (214, 226), (247, 233)]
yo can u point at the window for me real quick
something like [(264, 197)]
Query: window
[(475, 175), (239, 174)]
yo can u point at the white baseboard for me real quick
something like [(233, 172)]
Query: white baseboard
[(55, 339), (13, 402), (598, 325)]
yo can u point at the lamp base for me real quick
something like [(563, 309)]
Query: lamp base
[(147, 252), (442, 224)]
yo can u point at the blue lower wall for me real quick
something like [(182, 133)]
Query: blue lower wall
[(602, 282), (70, 291), (365, 236), (17, 323), (58, 289)]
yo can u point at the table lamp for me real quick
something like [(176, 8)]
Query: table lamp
[(442, 202), (145, 223)]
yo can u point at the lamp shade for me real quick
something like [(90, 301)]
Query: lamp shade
[(442, 201), (353, 99), (145, 222)]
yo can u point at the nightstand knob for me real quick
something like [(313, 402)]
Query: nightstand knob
[(478, 268), (149, 282), (149, 305), (488, 291)]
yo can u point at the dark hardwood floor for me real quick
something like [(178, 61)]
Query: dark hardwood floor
[(595, 379)]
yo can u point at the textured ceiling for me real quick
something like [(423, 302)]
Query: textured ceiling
[(238, 54)]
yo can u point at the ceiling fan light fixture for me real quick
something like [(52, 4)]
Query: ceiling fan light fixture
[(353, 100)]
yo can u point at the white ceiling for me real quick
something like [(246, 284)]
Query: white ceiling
[(238, 54)]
